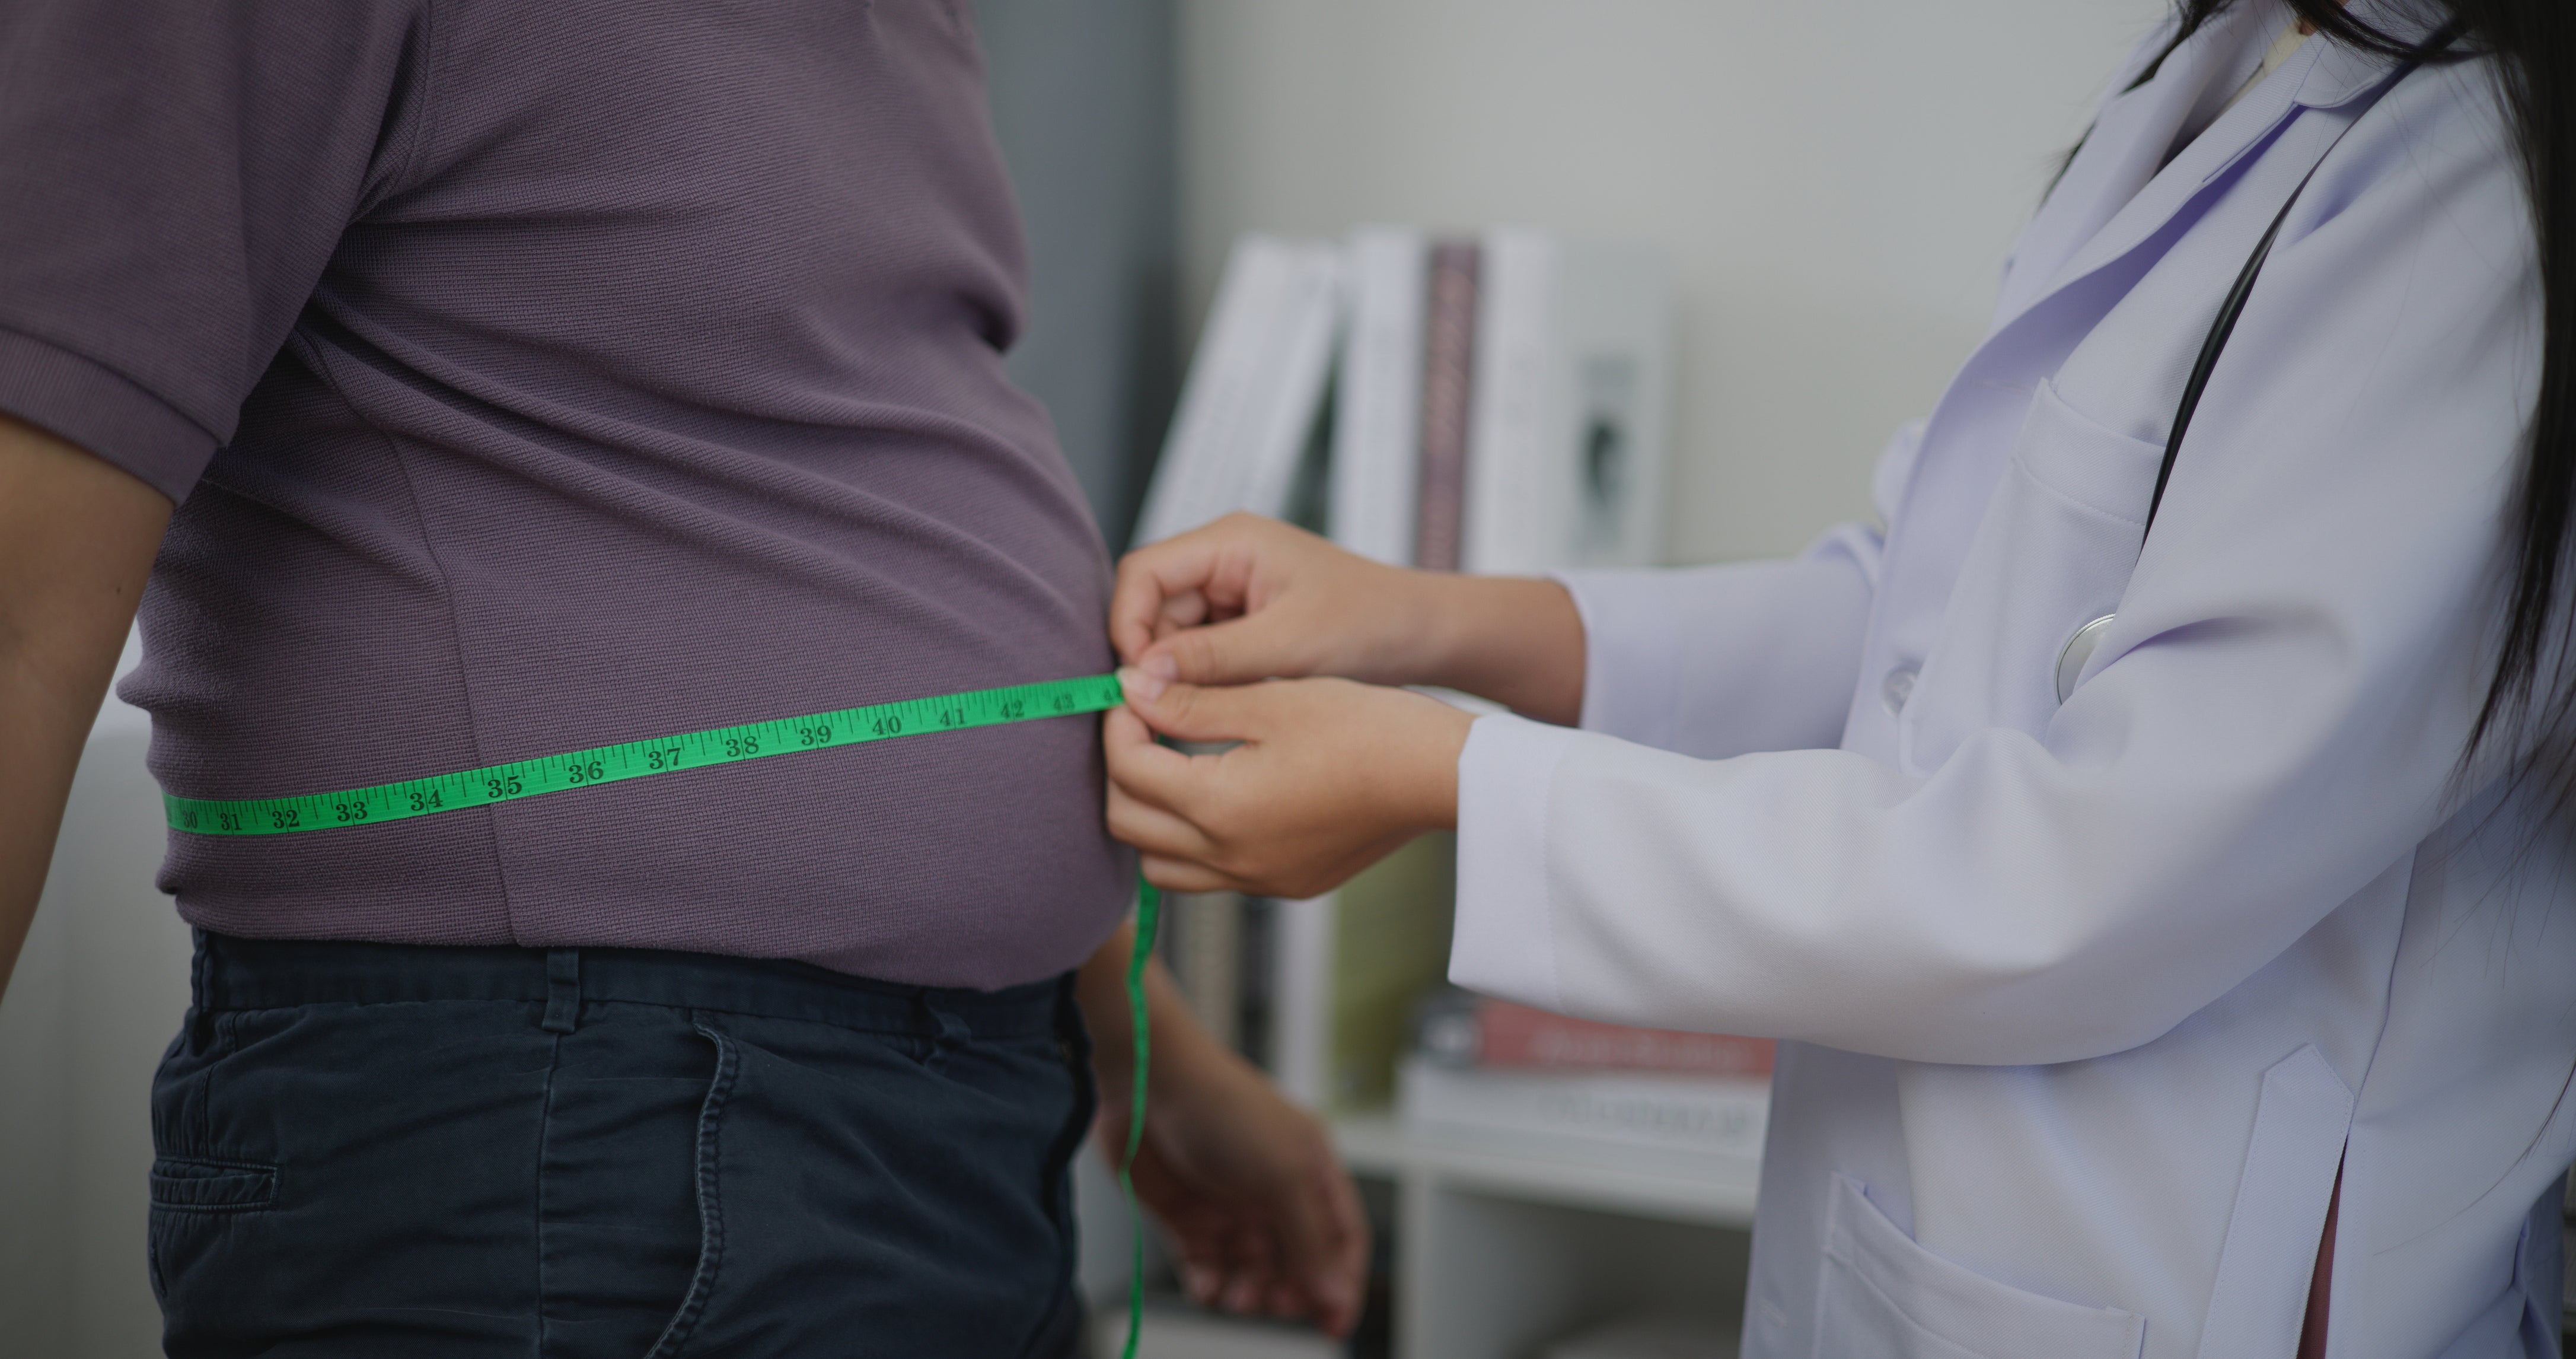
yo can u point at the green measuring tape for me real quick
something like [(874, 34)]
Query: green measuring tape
[(563, 773), (572, 770)]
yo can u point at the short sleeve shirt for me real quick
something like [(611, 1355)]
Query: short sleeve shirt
[(538, 374)]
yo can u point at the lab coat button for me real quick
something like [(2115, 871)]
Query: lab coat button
[(1897, 687)]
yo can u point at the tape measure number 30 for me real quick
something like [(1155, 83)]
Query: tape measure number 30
[(578, 769)]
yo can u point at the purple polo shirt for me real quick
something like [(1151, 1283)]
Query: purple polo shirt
[(537, 374)]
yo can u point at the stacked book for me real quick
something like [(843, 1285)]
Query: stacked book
[(1649, 1337), (1490, 1073), (1175, 1330), (1493, 402), (1490, 403)]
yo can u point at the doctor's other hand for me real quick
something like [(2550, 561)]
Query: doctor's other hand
[(1328, 777), (1247, 598)]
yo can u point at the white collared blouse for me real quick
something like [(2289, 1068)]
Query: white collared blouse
[(2089, 1002)]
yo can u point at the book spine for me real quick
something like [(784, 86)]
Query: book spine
[(1685, 1114), (1523, 492), (1195, 474), (1296, 361), (1301, 1000), (1518, 1036), (1204, 949), (1448, 382), (1377, 440)]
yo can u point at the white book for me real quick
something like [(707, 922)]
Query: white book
[(1301, 999), (1205, 952), (1174, 1332), (1378, 397), (1624, 1118), (1658, 1337), (1569, 433), (1254, 388)]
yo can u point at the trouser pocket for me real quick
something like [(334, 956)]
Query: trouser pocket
[(209, 1180), (707, 1169), (860, 1200), (193, 1197)]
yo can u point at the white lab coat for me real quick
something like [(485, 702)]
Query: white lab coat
[(2090, 1001)]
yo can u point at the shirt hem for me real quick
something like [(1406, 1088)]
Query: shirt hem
[(106, 414)]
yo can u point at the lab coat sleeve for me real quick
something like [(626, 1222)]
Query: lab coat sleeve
[(1706, 661), (1719, 660), (2281, 714), (1715, 661)]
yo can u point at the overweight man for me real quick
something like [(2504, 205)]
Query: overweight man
[(452, 382)]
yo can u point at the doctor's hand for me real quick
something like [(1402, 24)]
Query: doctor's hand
[(1328, 777), (1248, 598)]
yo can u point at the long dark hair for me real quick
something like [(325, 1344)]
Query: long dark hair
[(2530, 705)]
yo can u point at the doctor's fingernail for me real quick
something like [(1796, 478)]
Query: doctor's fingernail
[(1160, 665), (1139, 686)]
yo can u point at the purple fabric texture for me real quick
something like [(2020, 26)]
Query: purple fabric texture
[(535, 374)]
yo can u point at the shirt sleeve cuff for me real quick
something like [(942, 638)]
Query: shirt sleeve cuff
[(1504, 943), (92, 406)]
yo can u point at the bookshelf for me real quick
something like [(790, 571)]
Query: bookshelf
[(1375, 1144), (1499, 1252), (1497, 1249)]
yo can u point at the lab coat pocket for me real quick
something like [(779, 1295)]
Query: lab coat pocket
[(2053, 552), (1884, 1297)]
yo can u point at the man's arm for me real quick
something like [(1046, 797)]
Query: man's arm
[(77, 538), (1259, 1209)]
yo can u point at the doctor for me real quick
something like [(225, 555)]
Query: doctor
[(2202, 982)]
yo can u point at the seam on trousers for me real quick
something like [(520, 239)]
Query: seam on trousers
[(545, 1135), (693, 1304), (227, 1041), (1067, 1145)]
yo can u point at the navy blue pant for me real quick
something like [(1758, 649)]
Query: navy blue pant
[(384, 1150)]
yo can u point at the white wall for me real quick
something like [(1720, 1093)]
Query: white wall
[(1081, 94), (1837, 181)]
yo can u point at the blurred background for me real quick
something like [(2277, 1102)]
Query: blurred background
[(1833, 186)]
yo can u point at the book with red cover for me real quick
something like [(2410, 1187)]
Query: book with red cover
[(1486, 1032)]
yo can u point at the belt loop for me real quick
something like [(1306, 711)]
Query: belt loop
[(948, 1031), (563, 990), (201, 990), (200, 968)]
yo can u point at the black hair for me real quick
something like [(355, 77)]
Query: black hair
[(2529, 711)]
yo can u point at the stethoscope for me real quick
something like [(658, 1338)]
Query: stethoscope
[(2080, 647)]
